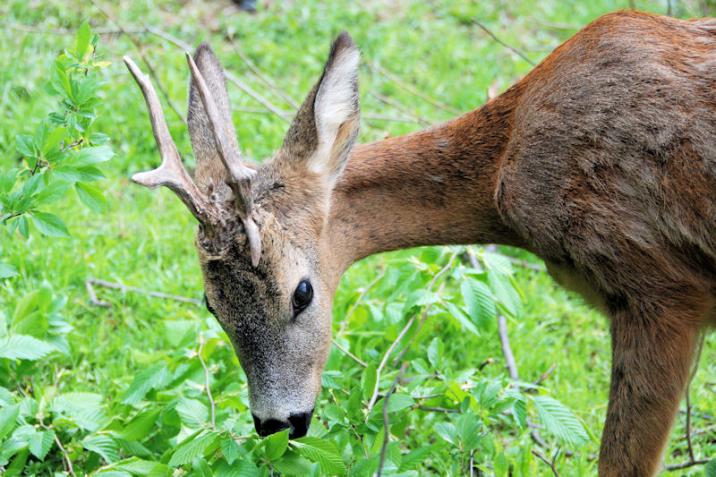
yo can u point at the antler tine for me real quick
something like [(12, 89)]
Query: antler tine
[(239, 175), (171, 172)]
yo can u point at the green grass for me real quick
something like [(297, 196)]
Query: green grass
[(145, 240)]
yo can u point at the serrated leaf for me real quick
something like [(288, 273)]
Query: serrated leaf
[(447, 431), (49, 224), (467, 427), (560, 421), (507, 297), (193, 447), (41, 442), (276, 444), (323, 452), (479, 303), (18, 346), (143, 468), (91, 196), (230, 449), (150, 378), (398, 402), (710, 469), (457, 314), (245, 468), (84, 409), (368, 379), (193, 413), (103, 445)]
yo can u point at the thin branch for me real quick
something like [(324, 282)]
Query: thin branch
[(509, 47), (384, 361), (284, 115), (687, 430), (386, 420), (543, 377), (444, 410), (90, 283), (686, 465), (412, 90), (143, 57), (349, 354), (65, 456), (506, 349), (206, 381), (93, 296), (261, 76), (551, 465)]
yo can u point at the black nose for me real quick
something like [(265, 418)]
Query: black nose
[(298, 423)]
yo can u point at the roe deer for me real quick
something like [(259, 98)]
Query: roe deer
[(602, 161)]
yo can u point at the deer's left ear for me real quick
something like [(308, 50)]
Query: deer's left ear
[(326, 125)]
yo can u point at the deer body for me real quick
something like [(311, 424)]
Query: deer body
[(602, 161)]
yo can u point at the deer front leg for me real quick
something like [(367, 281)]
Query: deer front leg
[(652, 349)]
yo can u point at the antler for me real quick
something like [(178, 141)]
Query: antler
[(171, 172), (239, 179)]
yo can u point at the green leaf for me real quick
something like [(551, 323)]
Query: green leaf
[(103, 445), (467, 427), (230, 449), (91, 196), (49, 224), (323, 452), (293, 464), (479, 302), (84, 409), (447, 431), (276, 444), (194, 446), (7, 270), (245, 468), (193, 413), (26, 145), (24, 347), (368, 381), (459, 315), (507, 297), (82, 40), (139, 427), (435, 352), (41, 442), (398, 402), (8, 416), (89, 156), (710, 469), (150, 378), (560, 421), (143, 468)]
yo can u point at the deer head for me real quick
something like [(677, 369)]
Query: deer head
[(260, 240)]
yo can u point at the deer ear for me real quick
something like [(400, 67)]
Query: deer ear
[(326, 125), (210, 173)]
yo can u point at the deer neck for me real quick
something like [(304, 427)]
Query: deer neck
[(432, 187)]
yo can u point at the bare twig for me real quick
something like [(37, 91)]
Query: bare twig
[(284, 115), (401, 108), (265, 79), (386, 421), (551, 465), (206, 381), (543, 377), (687, 431), (444, 410), (349, 354), (143, 57), (686, 465), (506, 349), (384, 361), (509, 47), (412, 90), (65, 456), (93, 296), (92, 282)]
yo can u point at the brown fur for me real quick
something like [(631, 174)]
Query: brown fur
[(602, 161)]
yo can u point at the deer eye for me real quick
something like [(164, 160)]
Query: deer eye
[(302, 297)]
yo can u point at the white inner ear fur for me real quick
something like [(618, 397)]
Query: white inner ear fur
[(336, 101)]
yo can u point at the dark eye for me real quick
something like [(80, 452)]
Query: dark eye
[(208, 306), (302, 296)]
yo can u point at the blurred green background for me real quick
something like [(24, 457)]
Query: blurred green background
[(141, 360)]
